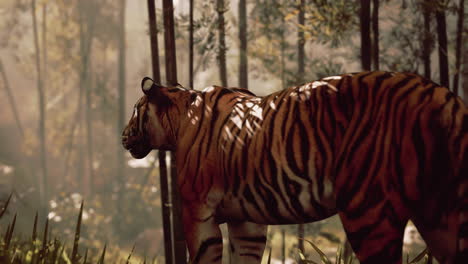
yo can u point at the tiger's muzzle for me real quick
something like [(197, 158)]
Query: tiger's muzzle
[(136, 145)]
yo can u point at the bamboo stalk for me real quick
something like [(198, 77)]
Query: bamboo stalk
[(163, 181)]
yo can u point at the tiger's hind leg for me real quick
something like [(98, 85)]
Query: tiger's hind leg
[(446, 233), (375, 234), (247, 242)]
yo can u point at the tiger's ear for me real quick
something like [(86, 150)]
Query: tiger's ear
[(148, 86)]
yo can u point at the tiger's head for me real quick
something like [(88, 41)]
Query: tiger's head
[(152, 125)]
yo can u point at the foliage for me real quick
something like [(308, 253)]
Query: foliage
[(100, 215), (405, 37), (35, 249), (331, 31), (422, 258), (204, 32), (275, 21), (330, 22)]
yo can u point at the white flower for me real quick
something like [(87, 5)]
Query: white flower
[(53, 204), (85, 215), (76, 197), (51, 215)]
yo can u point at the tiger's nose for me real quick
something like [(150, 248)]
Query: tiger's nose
[(125, 142)]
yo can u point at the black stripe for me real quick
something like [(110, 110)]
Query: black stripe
[(249, 197), (268, 198), (255, 256), (257, 239), (215, 113), (246, 214), (205, 246), (291, 161), (293, 189)]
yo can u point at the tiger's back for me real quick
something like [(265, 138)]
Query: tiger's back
[(404, 157), (378, 148)]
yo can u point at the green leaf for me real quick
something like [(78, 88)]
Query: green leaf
[(322, 255)]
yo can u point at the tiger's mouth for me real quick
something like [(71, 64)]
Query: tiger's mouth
[(136, 147)]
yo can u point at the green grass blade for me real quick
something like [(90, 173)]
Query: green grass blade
[(10, 233), (55, 252), (85, 256), (34, 233), (7, 232), (5, 206), (77, 235), (269, 256), (323, 257), (44, 238), (338, 255), (303, 260), (101, 259), (62, 251), (129, 256), (419, 257)]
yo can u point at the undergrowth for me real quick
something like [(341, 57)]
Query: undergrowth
[(45, 250)]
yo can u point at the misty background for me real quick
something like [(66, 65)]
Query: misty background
[(61, 66)]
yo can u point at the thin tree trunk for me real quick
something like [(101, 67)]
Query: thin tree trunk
[(283, 246), (80, 175), (171, 76), (69, 147), (459, 43), (243, 64), (427, 41), (442, 40), (300, 79), (375, 31), (283, 47), (121, 103), (221, 43), (300, 44), (11, 99), (43, 185), (89, 138), (86, 40), (44, 76), (89, 117), (465, 76), (191, 46), (163, 181), (365, 35), (44, 45), (465, 68), (169, 42)]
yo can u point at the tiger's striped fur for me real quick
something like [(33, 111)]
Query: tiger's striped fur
[(378, 148)]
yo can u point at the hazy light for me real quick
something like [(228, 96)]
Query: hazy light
[(141, 163)]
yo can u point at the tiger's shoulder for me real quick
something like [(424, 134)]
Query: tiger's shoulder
[(213, 89)]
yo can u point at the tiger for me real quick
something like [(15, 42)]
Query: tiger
[(376, 148)]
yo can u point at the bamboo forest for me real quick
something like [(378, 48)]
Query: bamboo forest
[(72, 76)]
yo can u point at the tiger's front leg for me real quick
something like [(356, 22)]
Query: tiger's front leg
[(203, 237), (247, 242)]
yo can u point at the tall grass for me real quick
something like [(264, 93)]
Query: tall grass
[(422, 258), (46, 250), (42, 251)]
